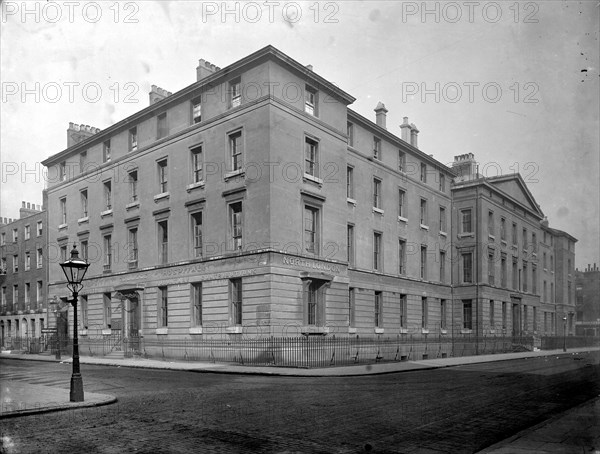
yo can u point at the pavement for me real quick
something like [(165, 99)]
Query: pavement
[(576, 430)]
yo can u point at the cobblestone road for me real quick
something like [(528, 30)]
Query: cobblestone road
[(452, 410)]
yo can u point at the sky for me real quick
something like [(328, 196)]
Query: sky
[(514, 83)]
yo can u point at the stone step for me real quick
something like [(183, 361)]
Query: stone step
[(116, 354)]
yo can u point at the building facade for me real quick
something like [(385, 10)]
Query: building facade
[(256, 202), (587, 301), (23, 280)]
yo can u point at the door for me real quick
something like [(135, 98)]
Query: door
[(516, 320)]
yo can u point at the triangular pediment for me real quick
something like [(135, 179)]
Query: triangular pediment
[(515, 187)]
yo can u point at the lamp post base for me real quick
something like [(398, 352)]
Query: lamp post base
[(76, 394)]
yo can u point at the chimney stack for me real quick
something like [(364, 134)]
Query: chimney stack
[(78, 133), (465, 165), (381, 115), (405, 127), (414, 132), (205, 69), (309, 67), (158, 94)]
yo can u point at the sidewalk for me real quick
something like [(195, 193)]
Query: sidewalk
[(576, 430), (341, 371)]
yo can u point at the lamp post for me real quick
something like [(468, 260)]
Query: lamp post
[(75, 269), (565, 333)]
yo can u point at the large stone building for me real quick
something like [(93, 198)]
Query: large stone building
[(255, 201), (23, 268), (587, 301)]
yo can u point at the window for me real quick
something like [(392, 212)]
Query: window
[(503, 229), (3, 269), (108, 195), (133, 139), (467, 314), (133, 248), (311, 240), (403, 319), (551, 292), (82, 161), (62, 171), (39, 258), (84, 203), (466, 222), (197, 165), (378, 309), (524, 276), (236, 225), (533, 279), (63, 213), (514, 234), (401, 161), (133, 185), (402, 257), (569, 295), (423, 262), (376, 148), (107, 252), (197, 233), (84, 250), (491, 227), (535, 318), (377, 251), (569, 266), (525, 318), (27, 261), (3, 301), (162, 176), (350, 132), (376, 193), (197, 110), (311, 157), (443, 313), (350, 240), (534, 242), (424, 220), (515, 273), (236, 151), (503, 270), (442, 182), (163, 242), (27, 293), (63, 253), (492, 314), (163, 306), (106, 151), (27, 232), (16, 263), (16, 231), (424, 173), (107, 309), (442, 266), (544, 260), (39, 228), (39, 292), (15, 296), (424, 312), (162, 129), (525, 238), (310, 101), (2, 239), (491, 268), (467, 267), (503, 315), (349, 182), (197, 304), (235, 92), (402, 211), (551, 263), (545, 292), (235, 297), (351, 306), (442, 219)]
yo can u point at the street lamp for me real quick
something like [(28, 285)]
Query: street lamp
[(565, 333), (75, 269)]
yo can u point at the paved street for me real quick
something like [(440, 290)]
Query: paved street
[(456, 409)]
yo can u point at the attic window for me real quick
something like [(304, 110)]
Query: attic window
[(310, 100)]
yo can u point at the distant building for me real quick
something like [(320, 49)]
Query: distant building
[(23, 268), (255, 201), (587, 300)]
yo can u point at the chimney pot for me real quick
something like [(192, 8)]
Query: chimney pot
[(23, 204), (309, 67)]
